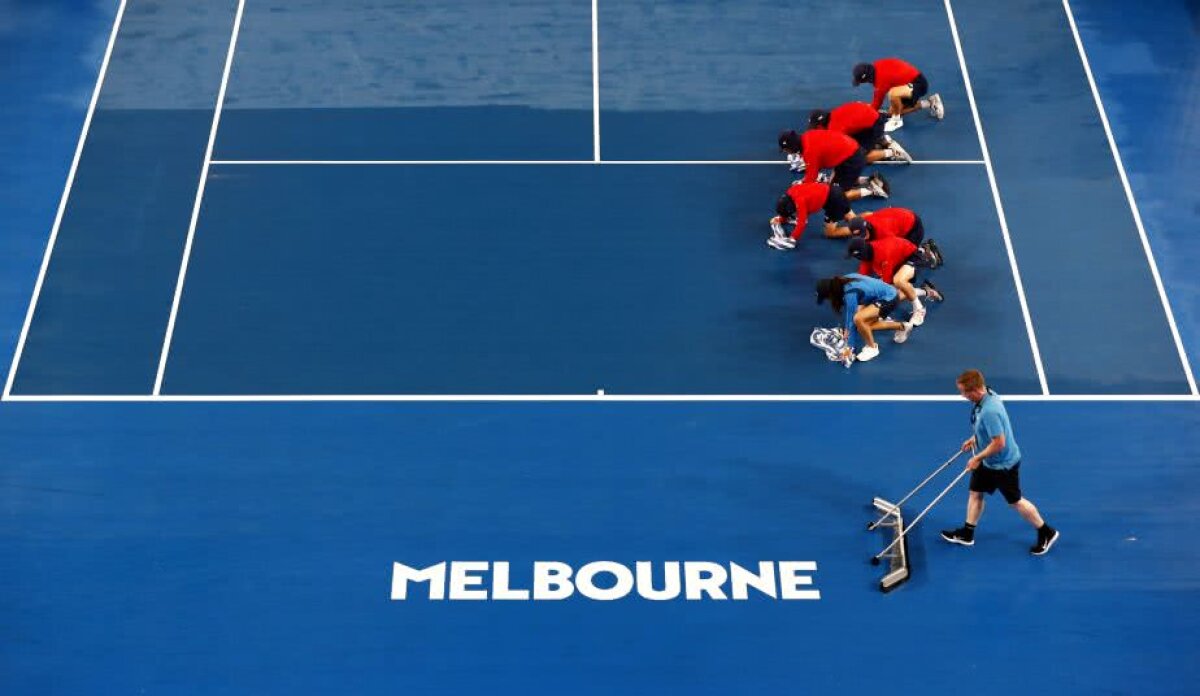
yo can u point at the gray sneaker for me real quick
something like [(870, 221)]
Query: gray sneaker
[(936, 109), (899, 153)]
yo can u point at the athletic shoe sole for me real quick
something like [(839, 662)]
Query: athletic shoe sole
[(1046, 548), (956, 540)]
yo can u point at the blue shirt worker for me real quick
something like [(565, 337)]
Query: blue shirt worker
[(864, 304), (995, 465)]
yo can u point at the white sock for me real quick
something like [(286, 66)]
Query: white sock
[(923, 103), (889, 153), (863, 179), (865, 192), (920, 292), (916, 303)]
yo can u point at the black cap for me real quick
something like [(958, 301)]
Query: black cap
[(785, 206), (860, 249), (824, 289), (864, 72), (818, 118), (859, 227), (789, 141)]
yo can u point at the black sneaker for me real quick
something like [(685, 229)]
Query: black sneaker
[(1044, 542), (960, 536), (932, 292)]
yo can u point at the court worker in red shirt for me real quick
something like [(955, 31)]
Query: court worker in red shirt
[(825, 149), (865, 124), (802, 200), (902, 85), (894, 260)]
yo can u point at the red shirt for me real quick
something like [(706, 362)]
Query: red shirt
[(852, 117), (888, 255), (809, 198), (889, 73), (892, 222), (823, 149)]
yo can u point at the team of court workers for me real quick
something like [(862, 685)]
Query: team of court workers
[(826, 162)]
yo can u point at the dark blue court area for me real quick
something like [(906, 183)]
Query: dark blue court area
[(239, 233), (329, 256)]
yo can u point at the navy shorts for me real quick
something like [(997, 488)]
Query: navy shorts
[(1007, 481), (871, 138), (837, 206), (886, 307), (920, 87), (846, 174)]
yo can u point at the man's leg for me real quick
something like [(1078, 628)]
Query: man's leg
[(965, 535), (896, 97), (1029, 511), (975, 504), (902, 280), (836, 231)]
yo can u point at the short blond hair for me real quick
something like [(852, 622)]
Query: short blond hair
[(971, 380)]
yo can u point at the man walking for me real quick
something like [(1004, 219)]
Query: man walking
[(995, 465)]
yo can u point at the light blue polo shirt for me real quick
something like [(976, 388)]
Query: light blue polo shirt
[(989, 419)]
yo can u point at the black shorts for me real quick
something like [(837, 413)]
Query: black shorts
[(920, 87), (887, 307), (837, 206), (917, 234), (871, 138), (846, 174), (1007, 481)]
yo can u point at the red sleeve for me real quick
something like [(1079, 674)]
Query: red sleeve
[(880, 93), (812, 156), (864, 268), (799, 230), (887, 269)]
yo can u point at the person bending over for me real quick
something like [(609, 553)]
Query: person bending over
[(862, 302), (802, 200), (824, 149), (902, 85), (859, 121), (894, 260)]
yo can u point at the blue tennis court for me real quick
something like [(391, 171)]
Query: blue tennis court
[(299, 291)]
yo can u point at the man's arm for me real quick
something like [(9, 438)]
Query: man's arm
[(994, 447)]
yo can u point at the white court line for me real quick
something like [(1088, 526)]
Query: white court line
[(1137, 216), (987, 159), (191, 234), (535, 398), (539, 162), (62, 204), (595, 84)]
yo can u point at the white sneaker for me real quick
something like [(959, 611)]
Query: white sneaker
[(868, 353), (893, 123), (877, 188), (936, 109), (899, 153), (918, 316), (901, 335), (781, 243)]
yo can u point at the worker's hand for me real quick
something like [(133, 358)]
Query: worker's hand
[(968, 444), (973, 463)]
